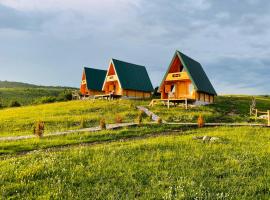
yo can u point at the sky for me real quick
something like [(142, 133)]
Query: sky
[(49, 42)]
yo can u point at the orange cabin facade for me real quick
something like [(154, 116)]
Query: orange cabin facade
[(92, 80), (178, 82), (119, 74)]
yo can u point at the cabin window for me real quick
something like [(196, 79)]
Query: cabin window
[(191, 88)]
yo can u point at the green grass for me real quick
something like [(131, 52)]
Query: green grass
[(64, 115), (27, 96), (13, 147), (226, 109), (162, 167), (70, 115)]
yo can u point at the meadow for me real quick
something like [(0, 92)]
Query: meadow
[(64, 116), (74, 115), (170, 166), (227, 108), (148, 161)]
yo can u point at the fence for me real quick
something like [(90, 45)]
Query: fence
[(256, 112)]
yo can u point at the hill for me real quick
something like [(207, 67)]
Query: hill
[(12, 84), (26, 94)]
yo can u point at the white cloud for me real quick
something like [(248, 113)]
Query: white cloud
[(92, 6)]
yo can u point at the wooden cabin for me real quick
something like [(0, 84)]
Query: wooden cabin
[(185, 79), (127, 80), (92, 81)]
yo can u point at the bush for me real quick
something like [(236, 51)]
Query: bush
[(159, 121), (150, 117), (140, 117), (83, 123), (102, 124), (14, 104), (200, 121), (65, 96), (118, 119), (43, 100), (39, 129)]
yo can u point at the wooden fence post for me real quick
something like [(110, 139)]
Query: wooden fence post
[(256, 113), (268, 116)]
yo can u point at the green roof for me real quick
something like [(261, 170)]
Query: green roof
[(196, 74), (94, 78), (132, 77)]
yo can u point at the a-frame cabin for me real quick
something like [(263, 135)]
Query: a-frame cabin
[(185, 79), (92, 81), (125, 79)]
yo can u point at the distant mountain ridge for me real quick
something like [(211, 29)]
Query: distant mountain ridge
[(13, 84)]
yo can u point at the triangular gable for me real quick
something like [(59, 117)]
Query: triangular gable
[(111, 71), (94, 78), (195, 72)]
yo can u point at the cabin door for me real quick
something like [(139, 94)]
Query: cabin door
[(182, 90)]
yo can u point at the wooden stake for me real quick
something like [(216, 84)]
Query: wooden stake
[(256, 113), (268, 117), (168, 103), (186, 104)]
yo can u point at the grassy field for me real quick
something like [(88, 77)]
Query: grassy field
[(70, 115), (225, 109), (64, 116), (154, 161), (19, 146), (163, 167)]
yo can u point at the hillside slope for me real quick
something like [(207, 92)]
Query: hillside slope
[(26, 94)]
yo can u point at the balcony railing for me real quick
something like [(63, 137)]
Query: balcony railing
[(177, 76)]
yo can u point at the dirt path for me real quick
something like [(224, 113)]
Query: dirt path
[(124, 139), (116, 126), (92, 129)]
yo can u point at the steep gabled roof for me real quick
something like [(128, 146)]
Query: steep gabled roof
[(132, 77), (195, 72), (94, 78)]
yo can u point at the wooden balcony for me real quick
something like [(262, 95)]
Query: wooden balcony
[(177, 76), (111, 78)]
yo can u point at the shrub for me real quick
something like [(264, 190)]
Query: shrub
[(200, 121), (83, 123), (14, 104), (43, 100), (132, 106), (102, 124), (39, 129), (118, 119), (65, 96), (170, 119), (159, 121), (140, 117), (1, 104), (150, 117)]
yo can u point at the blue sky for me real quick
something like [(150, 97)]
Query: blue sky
[(48, 42)]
